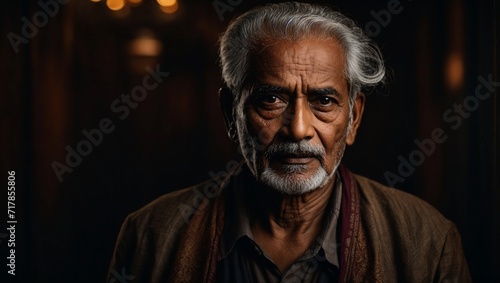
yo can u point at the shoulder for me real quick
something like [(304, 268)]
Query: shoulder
[(400, 210), (149, 237), (412, 240), (171, 211), (399, 205)]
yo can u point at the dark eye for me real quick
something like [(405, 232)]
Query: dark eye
[(325, 100), (324, 103), (270, 102), (268, 98)]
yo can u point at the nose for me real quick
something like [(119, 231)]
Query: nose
[(298, 121)]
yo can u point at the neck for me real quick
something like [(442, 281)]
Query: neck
[(285, 216), (285, 226)]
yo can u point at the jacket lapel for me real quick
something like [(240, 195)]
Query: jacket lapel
[(196, 257)]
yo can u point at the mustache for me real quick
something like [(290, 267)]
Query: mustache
[(295, 149)]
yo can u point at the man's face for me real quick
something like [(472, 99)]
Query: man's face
[(294, 124)]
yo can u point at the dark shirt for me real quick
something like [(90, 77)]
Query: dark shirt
[(242, 260)]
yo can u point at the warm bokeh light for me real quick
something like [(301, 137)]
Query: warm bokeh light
[(95, 1), (115, 5), (145, 46), (170, 9), (454, 72), (135, 2), (167, 3)]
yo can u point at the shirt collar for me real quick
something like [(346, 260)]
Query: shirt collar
[(328, 236)]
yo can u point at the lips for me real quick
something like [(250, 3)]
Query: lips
[(298, 161), (294, 158)]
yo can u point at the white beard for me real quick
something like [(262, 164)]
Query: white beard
[(292, 185)]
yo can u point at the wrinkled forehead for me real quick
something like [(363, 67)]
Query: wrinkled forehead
[(313, 61), (307, 55)]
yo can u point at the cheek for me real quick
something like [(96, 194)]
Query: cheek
[(332, 136), (262, 129), (334, 130)]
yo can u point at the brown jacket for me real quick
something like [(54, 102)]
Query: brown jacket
[(386, 236)]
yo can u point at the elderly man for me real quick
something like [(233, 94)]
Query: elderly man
[(295, 76)]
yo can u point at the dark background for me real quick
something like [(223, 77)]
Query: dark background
[(66, 77)]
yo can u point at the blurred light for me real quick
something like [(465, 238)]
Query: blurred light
[(454, 71), (145, 45), (171, 8), (135, 2), (167, 3), (115, 5), (144, 50), (95, 1)]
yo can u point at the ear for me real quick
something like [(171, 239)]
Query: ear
[(226, 104), (357, 113)]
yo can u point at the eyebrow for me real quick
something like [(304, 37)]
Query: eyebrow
[(325, 91), (265, 89)]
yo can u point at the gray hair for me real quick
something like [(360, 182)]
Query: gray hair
[(250, 32)]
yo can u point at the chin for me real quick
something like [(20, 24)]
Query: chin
[(294, 183)]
